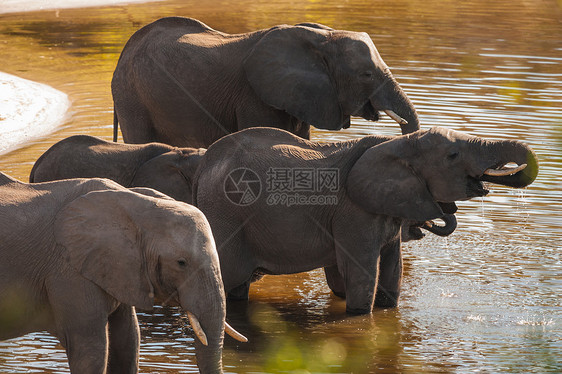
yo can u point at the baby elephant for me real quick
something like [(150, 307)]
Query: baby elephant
[(162, 167), (76, 257), (278, 204)]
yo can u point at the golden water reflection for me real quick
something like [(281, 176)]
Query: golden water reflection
[(486, 298)]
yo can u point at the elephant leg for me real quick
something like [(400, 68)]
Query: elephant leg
[(81, 311), (135, 121), (360, 279), (237, 264), (390, 275), (335, 280), (124, 341), (357, 239), (85, 353), (85, 342)]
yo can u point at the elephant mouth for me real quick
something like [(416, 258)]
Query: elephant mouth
[(495, 174), (415, 232), (368, 112), (475, 188), (448, 208), (504, 170), (511, 174)]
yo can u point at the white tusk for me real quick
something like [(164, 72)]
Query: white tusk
[(197, 328), (233, 333), (396, 117), (505, 171)]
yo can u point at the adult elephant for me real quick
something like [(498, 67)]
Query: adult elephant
[(180, 82), (280, 204), (77, 256), (167, 169)]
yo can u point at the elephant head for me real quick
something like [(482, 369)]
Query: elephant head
[(141, 249), (420, 176), (171, 172), (323, 76)]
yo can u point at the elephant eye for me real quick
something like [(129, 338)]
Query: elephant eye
[(182, 263), (367, 74), (452, 156)]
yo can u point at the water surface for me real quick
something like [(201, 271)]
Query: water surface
[(485, 299)]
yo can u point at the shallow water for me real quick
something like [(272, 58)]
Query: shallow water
[(485, 299)]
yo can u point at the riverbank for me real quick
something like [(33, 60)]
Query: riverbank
[(13, 6), (28, 110)]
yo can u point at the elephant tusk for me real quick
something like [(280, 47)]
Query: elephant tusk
[(396, 117), (197, 328), (428, 225), (504, 171), (233, 333)]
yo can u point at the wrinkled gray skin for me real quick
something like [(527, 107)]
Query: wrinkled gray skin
[(165, 168), (182, 83), (383, 182), (77, 256)]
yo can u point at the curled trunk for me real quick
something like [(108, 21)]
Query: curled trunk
[(501, 153), (447, 229)]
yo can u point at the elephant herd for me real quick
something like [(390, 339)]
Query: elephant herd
[(219, 184)]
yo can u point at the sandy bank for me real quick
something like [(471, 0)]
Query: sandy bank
[(28, 110), (12, 6)]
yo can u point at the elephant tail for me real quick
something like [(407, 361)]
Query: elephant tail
[(115, 125)]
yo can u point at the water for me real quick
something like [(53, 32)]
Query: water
[(485, 299)]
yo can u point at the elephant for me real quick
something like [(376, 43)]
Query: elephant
[(159, 166), (410, 230), (77, 256), (180, 82), (167, 169), (280, 204)]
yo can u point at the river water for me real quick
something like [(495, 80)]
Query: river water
[(485, 299)]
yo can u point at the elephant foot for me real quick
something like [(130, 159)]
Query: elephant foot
[(386, 299), (357, 311), (335, 281)]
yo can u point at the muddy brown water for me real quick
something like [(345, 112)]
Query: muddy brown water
[(485, 299)]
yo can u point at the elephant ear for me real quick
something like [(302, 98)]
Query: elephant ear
[(170, 173), (287, 71), (104, 243), (383, 183)]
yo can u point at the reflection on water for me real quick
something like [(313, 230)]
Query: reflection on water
[(486, 298)]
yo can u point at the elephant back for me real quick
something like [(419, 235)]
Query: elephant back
[(83, 156)]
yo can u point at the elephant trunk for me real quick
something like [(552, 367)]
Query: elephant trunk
[(206, 307), (505, 152), (450, 225), (393, 100)]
